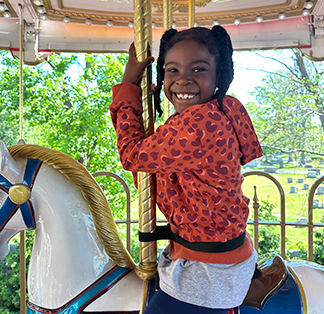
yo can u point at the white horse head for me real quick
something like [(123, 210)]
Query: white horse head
[(76, 241), (13, 171)]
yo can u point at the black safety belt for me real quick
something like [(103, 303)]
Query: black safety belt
[(165, 233)]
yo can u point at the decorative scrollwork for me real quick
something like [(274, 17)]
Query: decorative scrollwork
[(180, 7)]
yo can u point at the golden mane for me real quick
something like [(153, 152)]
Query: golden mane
[(92, 193)]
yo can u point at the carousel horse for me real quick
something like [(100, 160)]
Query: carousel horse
[(78, 262)]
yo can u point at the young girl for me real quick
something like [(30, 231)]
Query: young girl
[(197, 156)]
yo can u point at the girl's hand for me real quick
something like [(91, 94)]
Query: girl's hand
[(134, 69)]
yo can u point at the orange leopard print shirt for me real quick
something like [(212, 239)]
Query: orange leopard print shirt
[(197, 157)]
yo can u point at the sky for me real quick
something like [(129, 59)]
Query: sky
[(246, 80)]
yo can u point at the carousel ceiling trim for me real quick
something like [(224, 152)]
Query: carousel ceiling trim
[(268, 12), (182, 6), (64, 13), (107, 25)]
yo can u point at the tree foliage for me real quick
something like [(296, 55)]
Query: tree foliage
[(318, 246), (289, 102), (67, 111), (10, 279), (269, 241)]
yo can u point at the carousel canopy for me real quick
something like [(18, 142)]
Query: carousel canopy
[(107, 25)]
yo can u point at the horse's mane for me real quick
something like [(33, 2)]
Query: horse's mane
[(98, 204)]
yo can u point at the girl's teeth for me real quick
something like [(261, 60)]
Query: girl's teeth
[(185, 96)]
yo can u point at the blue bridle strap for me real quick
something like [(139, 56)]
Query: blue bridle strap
[(88, 296), (4, 184), (31, 171), (9, 208)]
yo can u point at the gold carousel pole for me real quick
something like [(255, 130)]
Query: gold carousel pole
[(167, 24), (191, 13), (21, 48), (146, 182), (22, 245)]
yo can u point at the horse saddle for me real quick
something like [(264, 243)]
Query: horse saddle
[(269, 277)]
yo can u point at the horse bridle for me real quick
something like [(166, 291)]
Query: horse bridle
[(19, 196)]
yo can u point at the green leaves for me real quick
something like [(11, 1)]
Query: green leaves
[(290, 106), (10, 278), (66, 104), (269, 240)]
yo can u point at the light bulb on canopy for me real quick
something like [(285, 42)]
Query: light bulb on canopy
[(41, 9), (282, 16), (237, 21), (6, 14), (259, 18), (2, 6), (305, 12), (309, 4)]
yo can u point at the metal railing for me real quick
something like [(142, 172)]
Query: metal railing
[(282, 223), (256, 223)]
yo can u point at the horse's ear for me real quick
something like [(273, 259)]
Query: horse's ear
[(5, 158)]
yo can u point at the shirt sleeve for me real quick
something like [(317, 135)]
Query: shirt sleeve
[(175, 147)]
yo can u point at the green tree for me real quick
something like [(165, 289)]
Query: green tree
[(67, 111), (288, 101), (318, 246), (10, 280), (269, 241)]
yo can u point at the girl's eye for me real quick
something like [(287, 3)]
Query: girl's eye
[(197, 70), (172, 70)]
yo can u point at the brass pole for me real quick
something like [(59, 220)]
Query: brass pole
[(256, 220), (167, 14), (22, 245), (167, 24), (21, 59), (146, 182), (22, 260), (191, 13)]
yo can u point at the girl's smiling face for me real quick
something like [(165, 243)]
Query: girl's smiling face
[(190, 75)]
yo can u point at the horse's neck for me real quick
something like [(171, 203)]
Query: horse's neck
[(67, 255)]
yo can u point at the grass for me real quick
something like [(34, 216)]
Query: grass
[(296, 204)]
